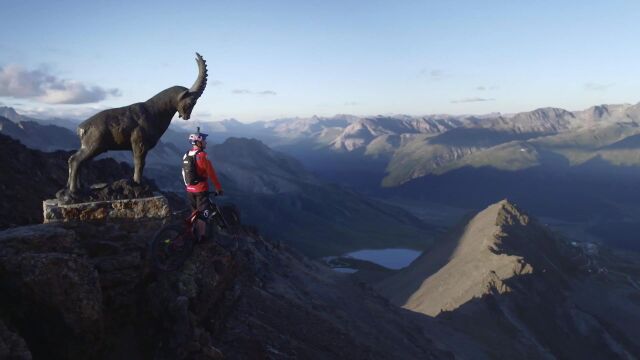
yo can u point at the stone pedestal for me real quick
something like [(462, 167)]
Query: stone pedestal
[(155, 207)]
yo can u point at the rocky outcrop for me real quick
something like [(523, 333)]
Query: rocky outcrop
[(50, 291), (155, 207), (31, 176), (12, 346), (122, 199), (86, 290)]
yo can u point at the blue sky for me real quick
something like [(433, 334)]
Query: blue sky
[(270, 59)]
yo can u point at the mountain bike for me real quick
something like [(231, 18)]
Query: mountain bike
[(173, 244)]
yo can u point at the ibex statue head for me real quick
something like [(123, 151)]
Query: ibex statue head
[(188, 98)]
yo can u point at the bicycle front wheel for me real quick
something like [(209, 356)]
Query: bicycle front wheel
[(170, 247)]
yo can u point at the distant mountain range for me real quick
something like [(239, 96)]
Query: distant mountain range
[(38, 136), (577, 169), (11, 114), (401, 148), (580, 169), (573, 167)]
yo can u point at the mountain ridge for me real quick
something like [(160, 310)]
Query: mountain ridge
[(503, 273), (478, 258)]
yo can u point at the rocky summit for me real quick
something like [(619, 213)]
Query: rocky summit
[(87, 290)]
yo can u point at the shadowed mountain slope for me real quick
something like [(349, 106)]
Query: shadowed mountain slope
[(506, 281), (276, 193), (38, 136)]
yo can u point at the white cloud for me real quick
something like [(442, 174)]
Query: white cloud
[(17, 82), (434, 74), (596, 86), (471, 99), (250, 92), (266, 92), (486, 88), (64, 112)]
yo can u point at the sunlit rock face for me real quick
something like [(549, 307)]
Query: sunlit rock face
[(503, 273)]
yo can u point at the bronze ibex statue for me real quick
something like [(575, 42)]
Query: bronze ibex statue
[(136, 127)]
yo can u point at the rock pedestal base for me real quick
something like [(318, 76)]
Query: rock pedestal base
[(155, 207)]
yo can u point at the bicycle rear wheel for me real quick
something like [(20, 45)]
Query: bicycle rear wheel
[(170, 247)]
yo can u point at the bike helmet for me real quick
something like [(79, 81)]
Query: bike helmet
[(198, 136)]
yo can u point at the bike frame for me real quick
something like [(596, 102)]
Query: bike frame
[(196, 214)]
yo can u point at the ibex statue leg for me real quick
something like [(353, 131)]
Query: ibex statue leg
[(139, 158), (75, 163)]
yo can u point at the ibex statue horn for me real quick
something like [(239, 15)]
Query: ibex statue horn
[(201, 82)]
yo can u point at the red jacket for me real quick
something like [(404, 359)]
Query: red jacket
[(205, 170)]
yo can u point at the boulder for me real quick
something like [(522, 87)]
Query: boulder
[(47, 280), (12, 346)]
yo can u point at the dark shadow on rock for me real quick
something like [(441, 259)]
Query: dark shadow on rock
[(629, 143), (552, 160), (480, 137), (593, 190), (536, 319)]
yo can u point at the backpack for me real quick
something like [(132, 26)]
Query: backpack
[(189, 173)]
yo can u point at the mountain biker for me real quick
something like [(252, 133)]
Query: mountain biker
[(197, 185)]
